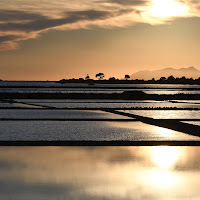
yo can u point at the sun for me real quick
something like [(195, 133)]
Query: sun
[(167, 8)]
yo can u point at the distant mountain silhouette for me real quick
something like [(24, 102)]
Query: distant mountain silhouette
[(166, 72)]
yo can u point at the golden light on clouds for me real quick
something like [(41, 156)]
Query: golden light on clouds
[(116, 36), (168, 8), (22, 20)]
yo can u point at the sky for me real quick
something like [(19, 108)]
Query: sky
[(51, 40)]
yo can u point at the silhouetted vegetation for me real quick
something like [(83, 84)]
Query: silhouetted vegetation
[(87, 77), (100, 76), (112, 80), (126, 76)]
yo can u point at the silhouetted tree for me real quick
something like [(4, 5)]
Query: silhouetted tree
[(112, 79), (183, 78), (162, 78), (171, 78), (100, 76), (87, 77), (62, 81), (126, 76)]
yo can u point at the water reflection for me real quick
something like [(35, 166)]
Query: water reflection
[(99, 173), (167, 114), (165, 156), (162, 180), (164, 132)]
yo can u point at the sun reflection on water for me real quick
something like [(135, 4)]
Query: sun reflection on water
[(161, 175), (161, 172), (162, 179), (164, 132), (165, 156)]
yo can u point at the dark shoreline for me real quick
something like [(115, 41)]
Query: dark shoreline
[(127, 95), (98, 87)]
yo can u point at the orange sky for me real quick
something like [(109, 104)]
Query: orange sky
[(55, 40)]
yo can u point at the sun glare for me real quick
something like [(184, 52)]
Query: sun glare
[(163, 180), (167, 8), (165, 156)]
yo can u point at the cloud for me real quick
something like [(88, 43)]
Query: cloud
[(7, 15), (8, 45), (21, 20), (129, 2), (41, 23), (30, 25), (194, 6)]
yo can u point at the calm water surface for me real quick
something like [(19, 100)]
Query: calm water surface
[(166, 114), (100, 173), (117, 105), (56, 114)]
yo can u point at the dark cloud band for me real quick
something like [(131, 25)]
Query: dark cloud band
[(129, 2)]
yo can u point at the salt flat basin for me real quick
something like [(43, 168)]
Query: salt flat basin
[(192, 122), (57, 114), (117, 105), (96, 173), (94, 131), (87, 100), (109, 173), (170, 92), (166, 114), (188, 101), (16, 105), (8, 105)]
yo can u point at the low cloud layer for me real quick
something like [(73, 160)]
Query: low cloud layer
[(129, 2), (21, 20)]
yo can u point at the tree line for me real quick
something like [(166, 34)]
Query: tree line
[(100, 78)]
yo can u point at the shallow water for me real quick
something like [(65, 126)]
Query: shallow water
[(160, 92), (100, 173), (118, 105), (193, 122), (87, 130), (85, 101), (167, 114), (15, 105), (189, 101), (57, 114)]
